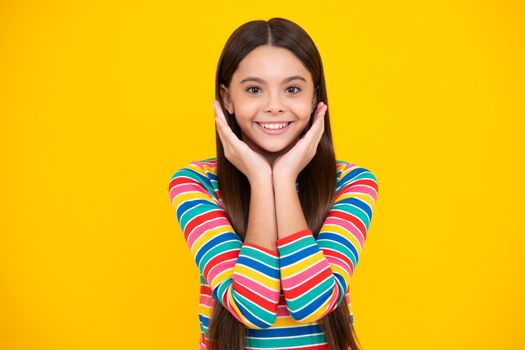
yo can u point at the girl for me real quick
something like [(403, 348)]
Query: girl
[(275, 223)]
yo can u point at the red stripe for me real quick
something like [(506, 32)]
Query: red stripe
[(267, 250), (305, 287), (351, 218), (200, 219), (293, 237), (368, 182), (181, 181), (311, 347), (337, 254), (218, 259), (254, 298)]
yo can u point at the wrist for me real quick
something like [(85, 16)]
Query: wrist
[(260, 179), (282, 177)]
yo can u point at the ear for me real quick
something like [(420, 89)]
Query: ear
[(314, 102), (226, 98)]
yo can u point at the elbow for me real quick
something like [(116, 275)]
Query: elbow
[(256, 316), (302, 316), (258, 321), (265, 324), (317, 308)]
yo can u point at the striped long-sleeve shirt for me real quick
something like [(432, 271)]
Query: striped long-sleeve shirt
[(280, 296)]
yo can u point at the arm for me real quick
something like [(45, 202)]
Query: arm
[(262, 229), (315, 272), (244, 277)]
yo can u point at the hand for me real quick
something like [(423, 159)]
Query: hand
[(249, 162), (292, 162)]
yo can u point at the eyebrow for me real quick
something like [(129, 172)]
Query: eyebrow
[(259, 80)]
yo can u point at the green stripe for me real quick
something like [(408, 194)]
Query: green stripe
[(217, 250), (259, 256), (310, 295), (358, 212), (255, 309), (297, 245), (338, 247), (276, 343)]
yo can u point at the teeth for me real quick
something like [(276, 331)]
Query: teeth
[(274, 126)]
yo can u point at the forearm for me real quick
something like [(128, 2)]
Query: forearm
[(289, 213), (262, 228)]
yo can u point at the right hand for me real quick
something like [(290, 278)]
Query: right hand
[(249, 162)]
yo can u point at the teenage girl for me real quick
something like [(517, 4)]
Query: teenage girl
[(275, 222)]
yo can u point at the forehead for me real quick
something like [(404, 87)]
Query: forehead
[(271, 63)]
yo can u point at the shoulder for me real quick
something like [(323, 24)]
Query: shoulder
[(349, 172), (204, 171)]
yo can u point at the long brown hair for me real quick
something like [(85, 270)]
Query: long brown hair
[(225, 332)]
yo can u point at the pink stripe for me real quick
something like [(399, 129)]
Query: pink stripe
[(258, 288), (206, 300), (295, 281), (346, 225), (363, 189), (282, 311), (190, 186), (346, 265), (208, 225), (219, 268)]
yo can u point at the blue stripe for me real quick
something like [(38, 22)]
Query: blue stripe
[(283, 332), (308, 251), (247, 314), (358, 203), (353, 173), (338, 238), (204, 320), (223, 237), (258, 267), (310, 309), (188, 204)]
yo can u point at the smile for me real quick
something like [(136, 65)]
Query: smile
[(276, 131)]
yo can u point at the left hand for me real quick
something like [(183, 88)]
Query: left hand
[(293, 162)]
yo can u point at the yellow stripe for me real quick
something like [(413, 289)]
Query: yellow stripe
[(205, 310), (185, 196), (341, 271), (234, 305), (343, 232), (303, 265), (221, 277), (362, 196), (317, 314), (258, 276), (208, 235)]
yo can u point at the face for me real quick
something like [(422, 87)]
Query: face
[(270, 85)]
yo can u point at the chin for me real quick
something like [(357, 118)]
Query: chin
[(275, 147)]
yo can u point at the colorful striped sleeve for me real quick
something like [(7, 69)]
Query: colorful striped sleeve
[(243, 277), (315, 272)]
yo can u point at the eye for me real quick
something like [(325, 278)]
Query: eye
[(250, 89), (295, 87)]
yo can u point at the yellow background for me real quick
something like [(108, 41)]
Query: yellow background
[(101, 102)]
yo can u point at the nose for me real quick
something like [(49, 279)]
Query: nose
[(274, 105)]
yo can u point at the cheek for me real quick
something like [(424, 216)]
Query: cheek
[(303, 111), (302, 107), (246, 108)]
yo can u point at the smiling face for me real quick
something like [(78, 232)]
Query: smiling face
[(270, 85)]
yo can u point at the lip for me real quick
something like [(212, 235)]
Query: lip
[(274, 132)]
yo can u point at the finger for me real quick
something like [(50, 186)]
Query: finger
[(218, 110), (318, 125), (321, 111), (219, 123), (316, 128), (221, 119), (228, 138)]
